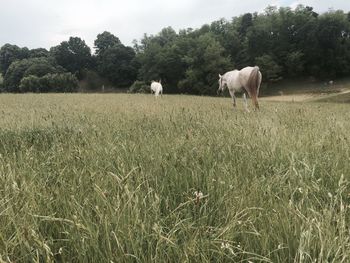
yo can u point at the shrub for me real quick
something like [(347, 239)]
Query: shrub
[(61, 82), (139, 87), (1, 83), (92, 81)]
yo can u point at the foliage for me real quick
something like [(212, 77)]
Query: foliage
[(139, 87), (115, 61), (74, 55), (205, 60), (38, 52), (9, 53), (105, 41), (294, 63), (1, 82), (61, 82), (92, 81), (185, 62), (269, 68), (285, 43), (161, 57), (25, 67)]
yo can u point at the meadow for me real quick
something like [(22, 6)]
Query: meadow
[(131, 178)]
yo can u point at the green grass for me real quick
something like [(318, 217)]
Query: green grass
[(111, 178)]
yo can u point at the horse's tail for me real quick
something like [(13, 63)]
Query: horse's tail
[(253, 85)]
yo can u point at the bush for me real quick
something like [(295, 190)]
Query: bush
[(28, 67), (91, 81), (1, 83), (270, 69), (62, 82), (139, 87)]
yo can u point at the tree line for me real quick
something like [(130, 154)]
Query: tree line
[(285, 43)]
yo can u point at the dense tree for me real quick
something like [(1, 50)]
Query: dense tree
[(334, 44), (104, 41), (38, 52), (204, 60), (117, 65), (269, 67), (15, 73), (9, 53), (162, 57), (115, 61), (294, 63), (74, 55), (284, 42), (61, 82), (25, 67), (1, 82), (246, 23)]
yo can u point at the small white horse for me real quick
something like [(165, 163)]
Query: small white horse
[(247, 79), (156, 88)]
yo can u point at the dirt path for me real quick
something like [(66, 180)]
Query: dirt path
[(300, 97)]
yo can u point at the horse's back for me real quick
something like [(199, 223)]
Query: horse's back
[(244, 74), (233, 81)]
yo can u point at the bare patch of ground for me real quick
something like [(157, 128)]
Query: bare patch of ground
[(302, 96)]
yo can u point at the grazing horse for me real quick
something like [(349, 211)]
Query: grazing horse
[(156, 88), (247, 79)]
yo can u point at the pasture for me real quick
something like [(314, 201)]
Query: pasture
[(128, 178)]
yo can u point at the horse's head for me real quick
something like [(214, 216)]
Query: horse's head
[(222, 84)]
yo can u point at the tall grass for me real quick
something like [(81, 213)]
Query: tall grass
[(115, 178)]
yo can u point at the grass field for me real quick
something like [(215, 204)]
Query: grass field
[(128, 178), (336, 98)]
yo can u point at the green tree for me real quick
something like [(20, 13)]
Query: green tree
[(9, 53), (38, 52), (74, 55), (162, 58), (115, 61), (269, 67), (105, 41), (117, 65), (25, 67), (294, 63), (246, 23), (333, 38), (61, 82), (1, 82), (205, 61)]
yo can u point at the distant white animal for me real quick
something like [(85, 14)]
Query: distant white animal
[(247, 79), (157, 88)]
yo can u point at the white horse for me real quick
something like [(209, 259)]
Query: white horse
[(247, 79), (156, 88)]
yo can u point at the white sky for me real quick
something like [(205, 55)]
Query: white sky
[(45, 23)]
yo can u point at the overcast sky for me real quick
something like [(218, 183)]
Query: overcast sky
[(45, 23)]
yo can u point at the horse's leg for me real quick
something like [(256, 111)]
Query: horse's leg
[(245, 102), (232, 93)]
